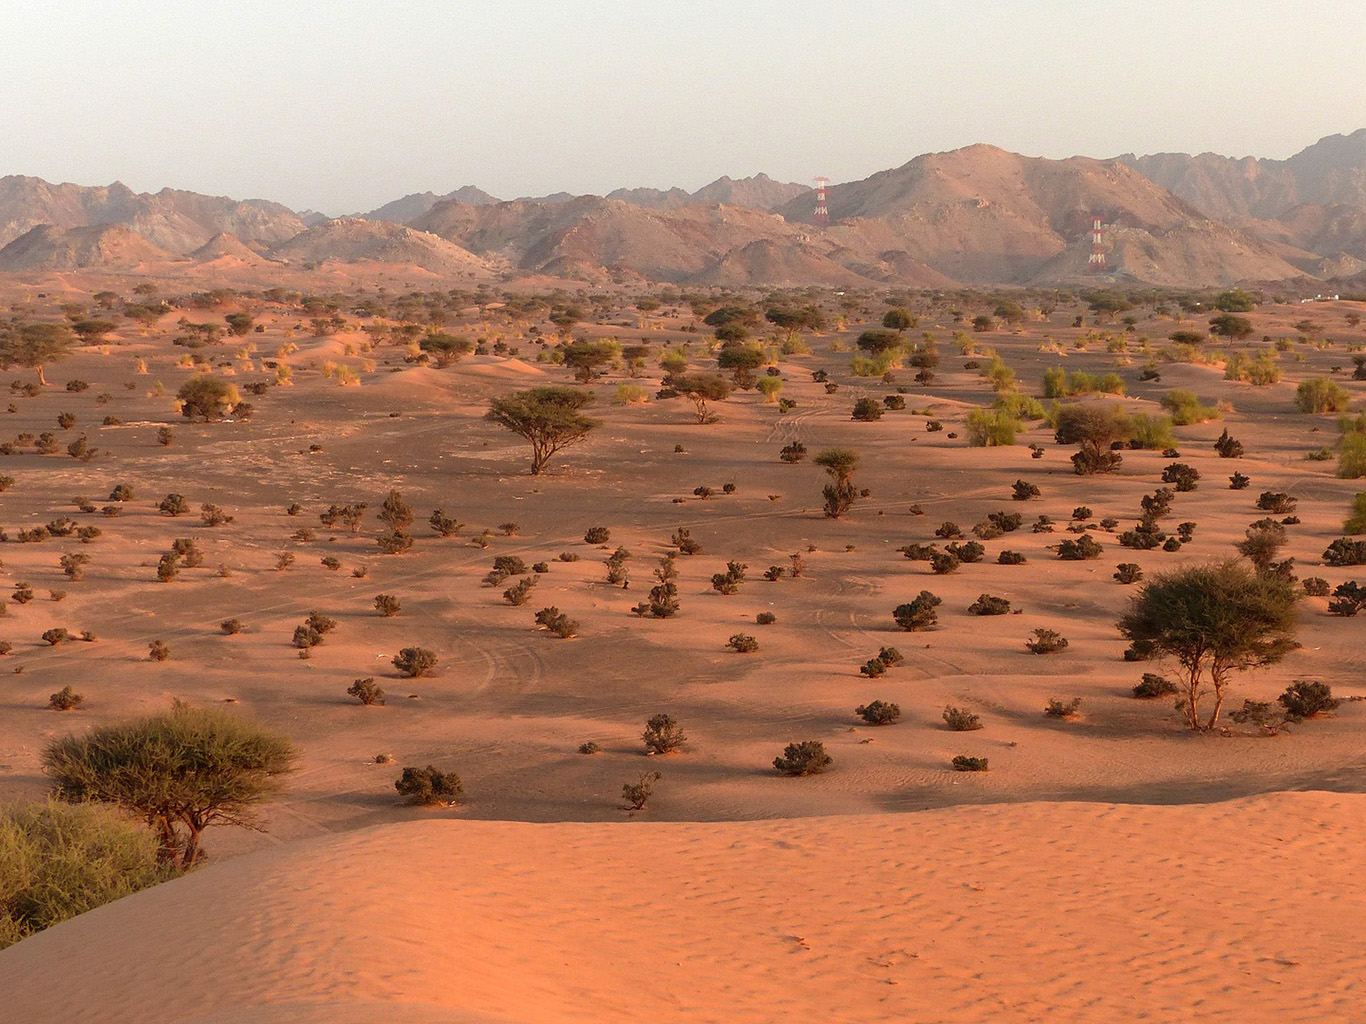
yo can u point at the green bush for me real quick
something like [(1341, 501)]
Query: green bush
[(1319, 394), (988, 604), (878, 712), (428, 786), (1153, 685), (60, 860), (1046, 641), (991, 428), (960, 720), (663, 735), (963, 763), (1186, 408), (805, 758), (1356, 521), (415, 662), (918, 613), (1303, 699)]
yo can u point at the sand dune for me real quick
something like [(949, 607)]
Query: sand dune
[(1241, 911)]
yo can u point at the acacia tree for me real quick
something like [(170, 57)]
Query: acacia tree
[(180, 772), (840, 495), (1213, 620), (701, 388), (548, 417), (34, 346), (1095, 427)]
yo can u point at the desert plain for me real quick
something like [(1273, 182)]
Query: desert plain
[(1111, 864)]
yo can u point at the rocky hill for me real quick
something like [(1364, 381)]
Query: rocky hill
[(111, 246), (354, 239)]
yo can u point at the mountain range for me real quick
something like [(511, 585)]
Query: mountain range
[(976, 216)]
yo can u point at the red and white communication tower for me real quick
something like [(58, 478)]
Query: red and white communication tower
[(822, 216), (1096, 261)]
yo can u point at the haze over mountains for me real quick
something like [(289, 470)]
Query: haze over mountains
[(977, 215)]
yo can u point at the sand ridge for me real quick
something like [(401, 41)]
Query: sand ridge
[(1026, 912)]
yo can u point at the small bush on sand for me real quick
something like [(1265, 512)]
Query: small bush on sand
[(743, 643), (1079, 550), (1153, 685), (1128, 572), (765, 619), (365, 691), (964, 763), (231, 627), (918, 613), (157, 650), (557, 623), (597, 535), (663, 735), (1303, 699), (960, 720), (415, 662), (637, 794), (1023, 491), (988, 604), (1059, 708), (429, 786), (878, 712), (1314, 586), (65, 699), (388, 605), (805, 758), (1046, 641)]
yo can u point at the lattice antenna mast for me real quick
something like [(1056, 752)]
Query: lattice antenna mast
[(1096, 261), (822, 215)]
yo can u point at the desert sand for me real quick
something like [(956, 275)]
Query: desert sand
[(1108, 867), (1242, 911)]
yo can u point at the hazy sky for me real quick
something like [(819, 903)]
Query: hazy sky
[(341, 106)]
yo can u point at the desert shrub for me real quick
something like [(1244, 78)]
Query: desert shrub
[(58, 635), (366, 691), (991, 428), (792, 453), (969, 552), (728, 582), (1238, 482), (557, 623), (1079, 550), (964, 763), (1006, 522), (1046, 641), (878, 712), (890, 656), (774, 573), (1185, 408), (1185, 477), (765, 619), (388, 605), (960, 720), (520, 593), (65, 699), (948, 531), (1023, 491), (231, 627), (637, 794), (1228, 447), (1303, 699), (415, 662), (943, 563), (1266, 716), (23, 593), (173, 505), (1276, 502), (443, 524), (918, 552), (60, 860), (597, 535), (429, 786), (1348, 599), (662, 735), (157, 650), (1010, 558), (988, 604), (122, 492), (1153, 685), (1343, 552), (1319, 394), (330, 562), (540, 567), (866, 410), (589, 748), (683, 540), (743, 643), (1151, 433), (1128, 572), (805, 758), (919, 613), (1058, 708), (1314, 586)]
